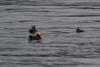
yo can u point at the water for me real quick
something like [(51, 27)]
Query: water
[(57, 19)]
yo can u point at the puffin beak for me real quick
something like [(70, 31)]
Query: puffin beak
[(41, 34)]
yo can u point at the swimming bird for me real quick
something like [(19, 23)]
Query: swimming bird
[(78, 30), (34, 35)]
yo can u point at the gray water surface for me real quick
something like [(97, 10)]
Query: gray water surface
[(57, 19)]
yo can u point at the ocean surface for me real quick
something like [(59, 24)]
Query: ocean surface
[(57, 19)]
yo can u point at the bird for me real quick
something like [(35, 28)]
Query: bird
[(78, 30), (34, 35)]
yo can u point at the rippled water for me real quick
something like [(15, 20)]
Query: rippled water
[(57, 19)]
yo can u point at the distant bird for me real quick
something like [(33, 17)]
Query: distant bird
[(78, 30), (34, 35)]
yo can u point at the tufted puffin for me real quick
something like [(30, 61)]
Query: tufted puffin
[(34, 35), (78, 30)]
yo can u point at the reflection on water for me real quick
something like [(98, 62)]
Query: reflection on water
[(57, 19)]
